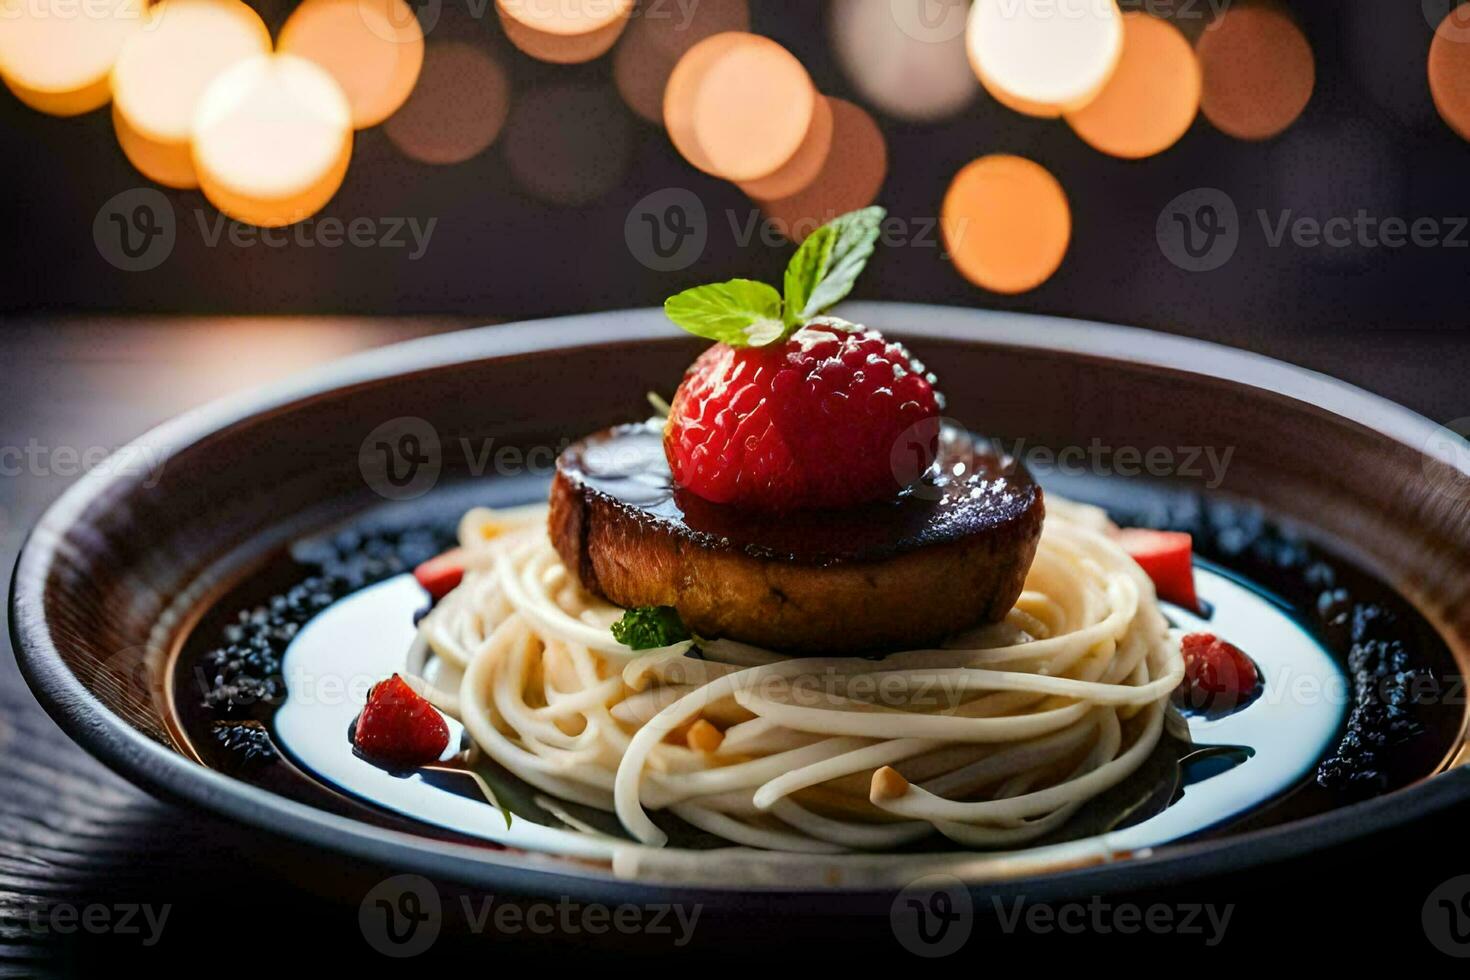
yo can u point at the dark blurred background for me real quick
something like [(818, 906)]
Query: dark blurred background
[(505, 246)]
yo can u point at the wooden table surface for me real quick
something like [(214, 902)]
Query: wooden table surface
[(74, 835), (72, 832)]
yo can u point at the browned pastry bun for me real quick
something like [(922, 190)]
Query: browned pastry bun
[(949, 554)]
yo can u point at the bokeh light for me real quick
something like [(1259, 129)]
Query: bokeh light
[(170, 164), (164, 70), (57, 60), (569, 144), (657, 37), (738, 106), (373, 48), (805, 166), (1152, 97), (1258, 71), (905, 57), (1044, 59), (1006, 223), (850, 177), (564, 31), (457, 109), (1449, 69), (272, 140), (1017, 104)]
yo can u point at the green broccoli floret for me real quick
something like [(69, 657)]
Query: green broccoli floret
[(648, 627)]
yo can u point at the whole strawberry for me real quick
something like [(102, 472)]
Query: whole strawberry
[(811, 422), (398, 727), (792, 409)]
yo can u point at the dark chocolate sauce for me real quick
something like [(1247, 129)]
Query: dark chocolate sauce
[(971, 488)]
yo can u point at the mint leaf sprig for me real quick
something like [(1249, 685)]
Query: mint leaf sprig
[(746, 313)]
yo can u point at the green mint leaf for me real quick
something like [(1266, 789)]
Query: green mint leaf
[(648, 627), (741, 312), (805, 271), (827, 264)]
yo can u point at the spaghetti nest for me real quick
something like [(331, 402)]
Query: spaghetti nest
[(1000, 735)]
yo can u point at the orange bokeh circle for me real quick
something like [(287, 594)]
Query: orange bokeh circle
[(850, 177), (1006, 223), (272, 140), (656, 40), (458, 108), (1258, 71), (1151, 99), (564, 32), (1449, 70), (373, 48), (739, 106)]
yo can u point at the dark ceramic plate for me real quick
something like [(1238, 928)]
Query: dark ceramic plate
[(121, 572)]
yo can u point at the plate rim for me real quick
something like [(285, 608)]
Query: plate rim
[(169, 774)]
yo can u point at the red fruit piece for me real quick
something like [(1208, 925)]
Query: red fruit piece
[(440, 574), (1218, 676), (827, 419), (398, 727), (1167, 557)]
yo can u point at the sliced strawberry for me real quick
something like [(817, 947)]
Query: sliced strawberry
[(1218, 676), (398, 727), (1167, 557), (440, 574)]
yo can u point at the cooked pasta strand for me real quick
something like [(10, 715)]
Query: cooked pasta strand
[(1003, 733)]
